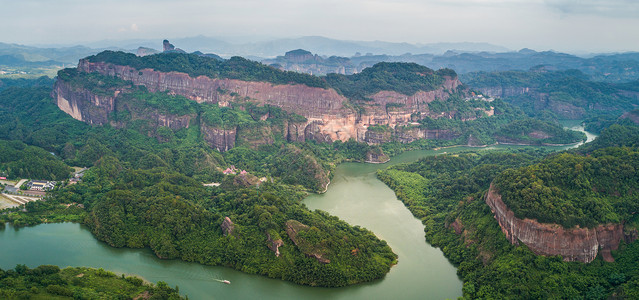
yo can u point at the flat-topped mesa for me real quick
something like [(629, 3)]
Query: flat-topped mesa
[(329, 115), (575, 244), (311, 102)]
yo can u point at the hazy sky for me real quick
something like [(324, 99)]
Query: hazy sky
[(563, 25)]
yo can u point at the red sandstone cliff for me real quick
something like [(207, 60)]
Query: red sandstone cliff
[(83, 105), (575, 244), (328, 117)]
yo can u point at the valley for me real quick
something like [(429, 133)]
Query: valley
[(294, 209)]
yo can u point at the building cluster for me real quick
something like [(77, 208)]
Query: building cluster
[(40, 185), (232, 170)]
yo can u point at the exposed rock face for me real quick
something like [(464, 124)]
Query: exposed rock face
[(575, 244), (632, 116), (307, 101), (328, 115), (328, 118), (227, 226), (407, 134), (293, 228), (274, 245), (376, 156), (220, 139), (143, 51), (83, 105), (167, 46)]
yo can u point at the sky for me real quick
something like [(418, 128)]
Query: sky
[(560, 25)]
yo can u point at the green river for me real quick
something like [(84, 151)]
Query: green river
[(355, 195)]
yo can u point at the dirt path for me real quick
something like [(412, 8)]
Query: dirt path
[(19, 184)]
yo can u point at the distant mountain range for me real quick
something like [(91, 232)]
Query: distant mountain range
[(322, 55), (315, 44)]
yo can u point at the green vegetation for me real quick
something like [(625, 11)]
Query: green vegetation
[(532, 131), (177, 217), (195, 65), (42, 81), (566, 94), (576, 189), (405, 78), (49, 282), (571, 189), (18, 160), (161, 102), (140, 192), (446, 193)]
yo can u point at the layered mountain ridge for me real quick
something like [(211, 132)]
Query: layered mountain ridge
[(328, 115)]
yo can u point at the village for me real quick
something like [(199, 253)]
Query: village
[(22, 191)]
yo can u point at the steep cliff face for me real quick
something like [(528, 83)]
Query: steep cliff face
[(329, 115), (82, 104), (328, 118), (218, 138), (300, 99), (409, 134), (575, 244)]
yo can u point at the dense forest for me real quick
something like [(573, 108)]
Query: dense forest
[(568, 94), (177, 217), (405, 78), (196, 65), (571, 189), (50, 282), (446, 193), (141, 192), (18, 160)]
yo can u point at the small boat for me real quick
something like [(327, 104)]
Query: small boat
[(226, 281)]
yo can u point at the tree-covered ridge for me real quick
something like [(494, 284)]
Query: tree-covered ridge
[(404, 78), (195, 65), (177, 217), (538, 132), (571, 189), (50, 282), (94, 82), (161, 102), (18, 160), (446, 193), (42, 81), (547, 91), (617, 135)]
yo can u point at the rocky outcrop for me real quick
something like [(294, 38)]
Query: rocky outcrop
[(227, 226), (166, 46), (293, 228), (575, 244), (274, 244), (82, 104), (376, 156), (407, 134), (328, 118), (328, 115), (310, 102)]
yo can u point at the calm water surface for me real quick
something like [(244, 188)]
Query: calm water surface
[(355, 195)]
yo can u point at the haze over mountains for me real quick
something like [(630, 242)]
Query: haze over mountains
[(341, 56)]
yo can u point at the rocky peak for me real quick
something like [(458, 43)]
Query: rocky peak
[(167, 46)]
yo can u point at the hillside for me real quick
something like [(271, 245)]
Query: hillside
[(400, 96), (564, 94), (462, 214)]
